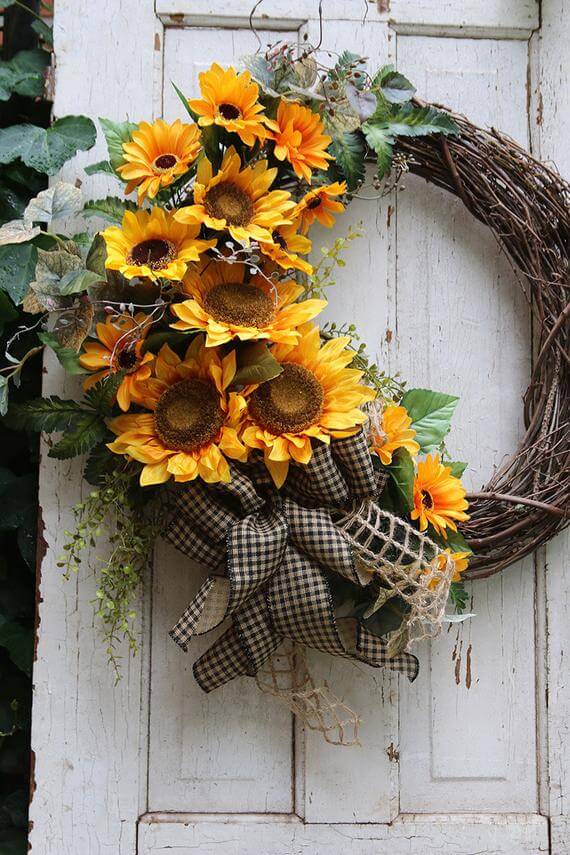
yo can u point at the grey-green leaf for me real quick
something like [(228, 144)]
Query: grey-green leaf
[(396, 88), (17, 268), (431, 414), (256, 364), (77, 281), (47, 149), (117, 133)]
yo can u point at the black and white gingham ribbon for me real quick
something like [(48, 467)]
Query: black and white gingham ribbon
[(267, 552)]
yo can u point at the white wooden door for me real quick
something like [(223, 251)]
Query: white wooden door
[(472, 757)]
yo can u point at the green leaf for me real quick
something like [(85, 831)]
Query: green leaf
[(68, 357), (388, 618), (43, 31), (381, 140), (410, 121), (396, 88), (96, 256), (18, 641), (47, 149), (87, 431), (457, 468), (184, 100), (60, 200), (8, 312), (454, 540), (431, 414), (458, 596), (24, 74), (154, 341), (101, 396), (112, 208), (348, 151), (102, 167), (402, 475), (256, 364), (100, 464), (18, 231), (117, 133), (17, 268), (44, 414), (77, 281)]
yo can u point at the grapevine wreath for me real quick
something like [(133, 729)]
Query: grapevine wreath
[(217, 414)]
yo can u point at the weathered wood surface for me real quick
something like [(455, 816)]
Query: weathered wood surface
[(432, 298)]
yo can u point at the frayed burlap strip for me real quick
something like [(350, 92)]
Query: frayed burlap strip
[(286, 676), (405, 562)]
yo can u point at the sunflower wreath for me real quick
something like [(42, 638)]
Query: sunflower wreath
[(316, 490)]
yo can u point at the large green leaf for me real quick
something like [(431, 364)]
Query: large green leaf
[(256, 364), (24, 74), (47, 149), (67, 356), (17, 268), (88, 431), (402, 475), (77, 281), (60, 200), (44, 414), (410, 121), (117, 133), (394, 87), (96, 256), (112, 208), (348, 151), (431, 414)]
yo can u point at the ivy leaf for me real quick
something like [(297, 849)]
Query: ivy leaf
[(17, 231), (47, 149), (381, 141), (402, 476), (112, 208), (256, 364), (348, 151), (78, 280), (66, 355), (52, 266), (431, 414), (24, 74), (87, 431), (117, 133), (44, 414), (60, 200), (17, 268)]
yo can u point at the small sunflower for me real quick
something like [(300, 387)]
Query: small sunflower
[(439, 497), (286, 246), (153, 244), (192, 424), (320, 204), (229, 100), (460, 563), (299, 138), (238, 200), (315, 397), (157, 155), (227, 307), (119, 349), (392, 432)]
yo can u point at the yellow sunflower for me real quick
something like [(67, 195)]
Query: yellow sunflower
[(192, 424), (286, 246), (299, 138), (228, 306), (460, 563), (393, 432), (229, 100), (157, 155), (315, 397), (238, 200), (439, 497), (119, 349), (153, 244), (320, 204)]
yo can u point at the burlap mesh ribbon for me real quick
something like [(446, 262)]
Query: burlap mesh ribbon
[(271, 554)]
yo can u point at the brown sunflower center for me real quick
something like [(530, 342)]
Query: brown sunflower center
[(229, 111), (154, 253), (227, 202), (290, 403), (240, 304), (427, 500), (165, 161), (188, 415), (127, 360), (279, 240), (314, 203)]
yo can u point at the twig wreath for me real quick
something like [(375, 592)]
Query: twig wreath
[(317, 490), (527, 207)]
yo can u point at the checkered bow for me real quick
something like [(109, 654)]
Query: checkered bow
[(267, 551)]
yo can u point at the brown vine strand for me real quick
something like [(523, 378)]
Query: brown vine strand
[(525, 203)]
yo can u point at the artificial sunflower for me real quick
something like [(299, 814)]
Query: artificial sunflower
[(119, 349), (299, 138), (153, 244), (227, 305), (460, 563), (393, 431), (315, 397), (238, 200), (157, 155), (320, 204), (439, 497), (229, 100), (286, 246), (192, 424)]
